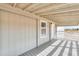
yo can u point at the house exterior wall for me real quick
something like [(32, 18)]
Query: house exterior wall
[(18, 33), (42, 40)]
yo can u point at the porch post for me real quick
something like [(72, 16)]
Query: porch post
[(37, 33), (50, 24), (55, 33)]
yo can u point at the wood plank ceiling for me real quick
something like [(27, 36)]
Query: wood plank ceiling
[(61, 13)]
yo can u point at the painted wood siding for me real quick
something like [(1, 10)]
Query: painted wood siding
[(17, 33)]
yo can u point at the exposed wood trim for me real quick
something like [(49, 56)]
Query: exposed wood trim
[(20, 12), (27, 6), (73, 10), (41, 6), (31, 6), (61, 12), (14, 5), (50, 8)]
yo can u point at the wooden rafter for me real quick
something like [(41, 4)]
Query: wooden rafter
[(27, 6), (32, 6), (14, 5), (41, 6), (59, 12), (49, 8)]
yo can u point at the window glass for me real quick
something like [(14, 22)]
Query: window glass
[(43, 24), (43, 29)]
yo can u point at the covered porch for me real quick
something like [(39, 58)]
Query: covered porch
[(55, 48), (30, 29)]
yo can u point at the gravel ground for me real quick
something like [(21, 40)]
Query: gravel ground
[(68, 35)]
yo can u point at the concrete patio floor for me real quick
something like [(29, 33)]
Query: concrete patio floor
[(55, 48)]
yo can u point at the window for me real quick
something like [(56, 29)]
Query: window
[(43, 24), (43, 28)]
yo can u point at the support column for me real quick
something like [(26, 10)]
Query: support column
[(50, 24), (55, 31), (37, 33)]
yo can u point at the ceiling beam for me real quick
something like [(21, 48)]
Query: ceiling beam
[(27, 6), (41, 6), (50, 8), (14, 5), (61, 8), (8, 8), (31, 6), (60, 12)]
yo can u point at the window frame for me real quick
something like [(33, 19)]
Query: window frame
[(41, 28)]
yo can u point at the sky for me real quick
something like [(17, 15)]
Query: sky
[(66, 27), (71, 27)]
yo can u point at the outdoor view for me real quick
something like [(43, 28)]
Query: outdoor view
[(68, 32)]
